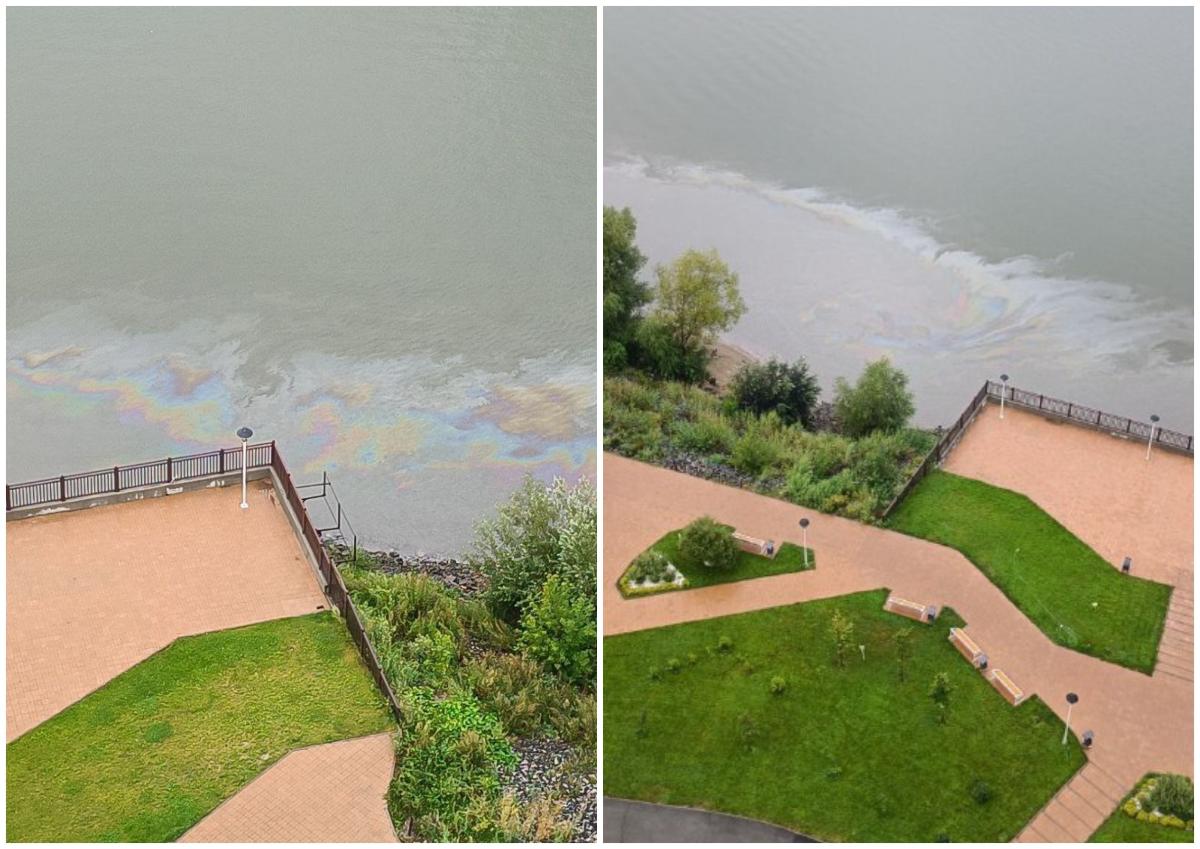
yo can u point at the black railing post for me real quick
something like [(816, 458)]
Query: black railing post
[(116, 478), (169, 471), (221, 463), (62, 487), (7, 497)]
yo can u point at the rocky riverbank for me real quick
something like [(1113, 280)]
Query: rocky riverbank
[(448, 571)]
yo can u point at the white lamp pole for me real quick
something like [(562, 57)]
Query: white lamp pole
[(1071, 700), (804, 531), (1150, 442), (1003, 392), (244, 434)]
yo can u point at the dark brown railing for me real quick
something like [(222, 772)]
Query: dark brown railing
[(19, 496), (1053, 407), (195, 466), (335, 587)]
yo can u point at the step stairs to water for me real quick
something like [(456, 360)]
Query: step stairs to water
[(1175, 649), (1077, 809)]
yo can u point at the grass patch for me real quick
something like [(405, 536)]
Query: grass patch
[(1122, 828), (851, 753), (1071, 593), (153, 751), (788, 558)]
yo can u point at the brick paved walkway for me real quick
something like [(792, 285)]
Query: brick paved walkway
[(334, 793), (1141, 723), (93, 592), (1100, 487)]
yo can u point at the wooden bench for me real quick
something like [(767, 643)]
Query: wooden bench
[(911, 609), (754, 545), (1013, 694), (968, 648)]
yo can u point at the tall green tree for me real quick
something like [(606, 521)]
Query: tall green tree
[(791, 391), (879, 401), (624, 295), (697, 298)]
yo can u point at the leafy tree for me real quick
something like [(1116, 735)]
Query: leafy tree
[(559, 630), (698, 297), (940, 693), (903, 642), (541, 531), (880, 400), (705, 543), (791, 391), (842, 630), (654, 349), (624, 294)]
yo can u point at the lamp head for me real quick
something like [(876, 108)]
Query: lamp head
[(804, 523), (1072, 698), (244, 433), (1004, 377), (1154, 419)]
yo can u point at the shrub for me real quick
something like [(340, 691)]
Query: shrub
[(656, 351), (559, 630), (939, 691), (1174, 795), (542, 531), (788, 390), (834, 773), (981, 792), (634, 433), (747, 731), (842, 630), (708, 434), (724, 645), (880, 400), (527, 700), (778, 685), (673, 665), (706, 544), (650, 566), (754, 452)]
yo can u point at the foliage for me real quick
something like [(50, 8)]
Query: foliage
[(856, 478), (842, 631), (884, 739), (559, 630), (697, 297), (658, 353), (789, 391), (624, 295), (981, 792), (650, 565), (939, 691), (1130, 823), (542, 531), (708, 544), (1175, 795), (778, 685), (879, 401), (1065, 588), (155, 749)]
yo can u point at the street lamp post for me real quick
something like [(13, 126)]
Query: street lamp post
[(1071, 700), (1150, 442), (804, 531), (1003, 392), (244, 433)]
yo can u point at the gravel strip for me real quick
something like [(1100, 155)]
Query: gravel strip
[(544, 769)]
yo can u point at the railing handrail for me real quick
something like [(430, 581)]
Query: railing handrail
[(48, 496)]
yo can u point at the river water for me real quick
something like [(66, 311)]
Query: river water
[(367, 234), (969, 191)]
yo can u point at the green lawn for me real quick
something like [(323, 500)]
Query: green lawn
[(157, 748), (788, 558), (1072, 594), (1122, 828), (848, 754)]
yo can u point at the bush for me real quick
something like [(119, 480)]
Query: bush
[(1173, 795), (788, 390), (656, 352), (673, 665), (981, 792), (778, 685), (706, 544), (708, 434), (650, 566), (753, 453), (542, 531), (724, 645), (559, 630), (880, 400)]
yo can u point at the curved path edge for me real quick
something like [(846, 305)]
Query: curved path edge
[(629, 821)]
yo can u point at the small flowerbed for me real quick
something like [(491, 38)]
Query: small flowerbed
[(668, 565), (1159, 810)]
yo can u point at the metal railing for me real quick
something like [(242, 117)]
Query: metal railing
[(1089, 417), (1055, 408), (335, 587), (212, 464), (19, 496)]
